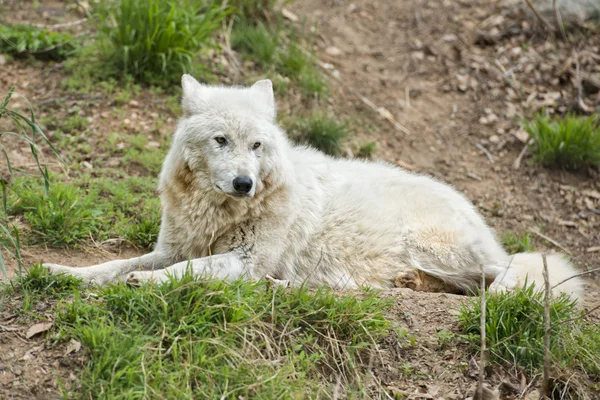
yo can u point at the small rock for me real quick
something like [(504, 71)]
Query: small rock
[(450, 37), (2, 59), (494, 139), (134, 103), (152, 145), (418, 55), (126, 121), (334, 51), (87, 165)]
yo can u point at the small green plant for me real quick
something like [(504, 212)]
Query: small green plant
[(24, 40), (27, 130), (514, 243), (571, 142), (154, 40), (257, 41), (253, 10), (293, 62), (515, 331), (143, 229), (64, 216), (367, 149), (38, 281), (320, 132)]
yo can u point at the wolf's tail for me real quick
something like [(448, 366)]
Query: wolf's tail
[(529, 268)]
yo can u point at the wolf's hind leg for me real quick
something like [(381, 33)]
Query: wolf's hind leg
[(420, 281)]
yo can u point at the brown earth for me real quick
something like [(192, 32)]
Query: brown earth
[(455, 74)]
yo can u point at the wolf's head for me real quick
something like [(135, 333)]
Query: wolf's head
[(228, 137)]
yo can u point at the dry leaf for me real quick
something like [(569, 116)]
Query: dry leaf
[(73, 347), (38, 328)]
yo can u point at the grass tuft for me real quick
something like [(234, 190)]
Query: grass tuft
[(253, 10), (571, 142), (257, 41), (154, 40), (26, 40), (321, 132), (38, 281), (514, 243), (64, 217), (515, 331), (212, 339)]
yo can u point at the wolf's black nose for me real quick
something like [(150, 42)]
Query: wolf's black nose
[(242, 184)]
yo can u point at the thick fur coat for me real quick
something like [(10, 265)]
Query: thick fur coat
[(240, 201)]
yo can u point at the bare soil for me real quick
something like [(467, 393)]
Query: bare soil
[(456, 74)]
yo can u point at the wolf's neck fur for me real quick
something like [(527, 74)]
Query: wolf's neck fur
[(195, 215)]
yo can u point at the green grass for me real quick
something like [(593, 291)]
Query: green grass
[(514, 243), (320, 132), (515, 331), (65, 216), (25, 40), (212, 339), (253, 10), (571, 142), (155, 41), (257, 41), (366, 150)]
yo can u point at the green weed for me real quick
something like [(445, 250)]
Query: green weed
[(366, 150), (27, 130), (38, 281), (253, 10), (571, 142), (64, 216), (515, 331), (154, 41), (257, 41), (26, 40), (320, 132), (514, 243)]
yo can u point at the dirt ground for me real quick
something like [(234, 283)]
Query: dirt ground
[(456, 75)]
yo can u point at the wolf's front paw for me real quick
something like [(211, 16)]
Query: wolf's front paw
[(87, 274), (58, 269), (139, 277)]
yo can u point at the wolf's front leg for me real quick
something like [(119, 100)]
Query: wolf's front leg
[(228, 266), (110, 271)]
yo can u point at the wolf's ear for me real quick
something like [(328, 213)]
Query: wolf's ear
[(194, 94), (264, 88)]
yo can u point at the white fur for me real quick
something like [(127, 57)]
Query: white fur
[(308, 218)]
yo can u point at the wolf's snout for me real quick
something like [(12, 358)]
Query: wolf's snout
[(242, 184)]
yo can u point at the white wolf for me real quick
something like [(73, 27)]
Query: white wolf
[(238, 200)]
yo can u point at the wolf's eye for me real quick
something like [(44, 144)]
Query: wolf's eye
[(221, 140), (256, 145)]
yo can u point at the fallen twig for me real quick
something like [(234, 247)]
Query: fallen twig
[(549, 239), (558, 21), (517, 163), (546, 376), (575, 276), (479, 393), (578, 83), (539, 16), (63, 25), (486, 152)]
